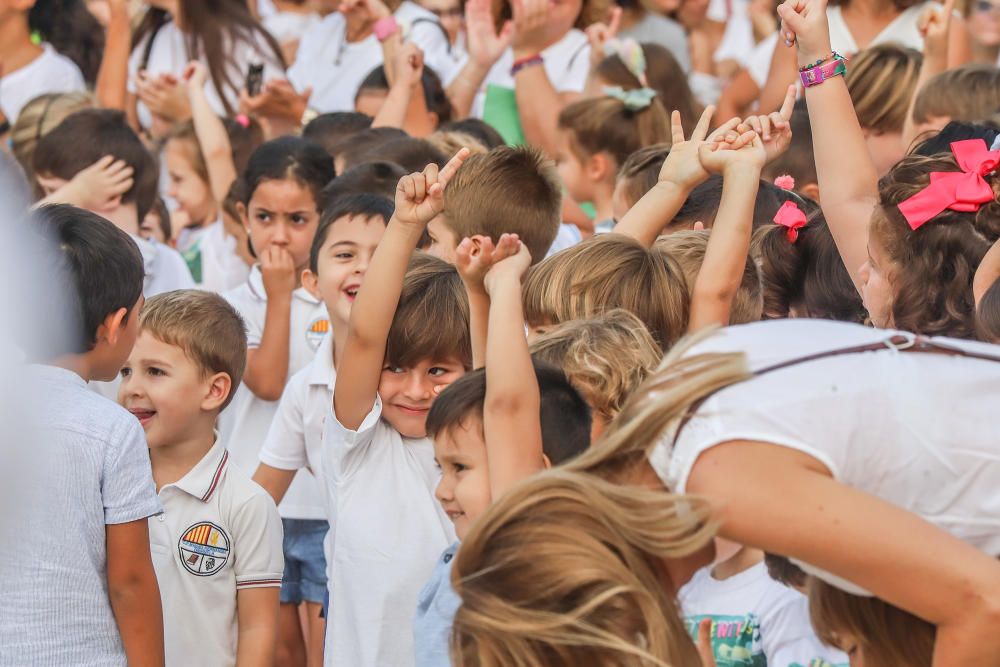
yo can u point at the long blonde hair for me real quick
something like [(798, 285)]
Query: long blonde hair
[(566, 569)]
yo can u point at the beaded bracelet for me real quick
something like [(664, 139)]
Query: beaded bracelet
[(817, 75), (521, 63), (833, 55)]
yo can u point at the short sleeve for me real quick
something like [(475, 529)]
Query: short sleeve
[(285, 445), (300, 72), (127, 487), (344, 449), (788, 638), (241, 299), (257, 538), (134, 61), (575, 78)]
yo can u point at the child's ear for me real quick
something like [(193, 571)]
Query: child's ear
[(111, 328), (811, 190), (219, 387), (599, 166), (241, 209), (432, 119), (311, 282)]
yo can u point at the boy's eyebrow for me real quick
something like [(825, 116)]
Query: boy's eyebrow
[(351, 243), (154, 362)]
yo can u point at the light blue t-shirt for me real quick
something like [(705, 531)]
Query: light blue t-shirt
[(436, 609)]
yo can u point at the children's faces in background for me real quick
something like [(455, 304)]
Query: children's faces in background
[(444, 243), (154, 229), (464, 488), (282, 213), (876, 291), (192, 194), (167, 392), (369, 101), (573, 173), (984, 24), (407, 393), (449, 13), (342, 263)]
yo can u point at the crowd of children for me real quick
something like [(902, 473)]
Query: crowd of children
[(489, 332)]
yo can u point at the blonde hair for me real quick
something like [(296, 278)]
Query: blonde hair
[(39, 117), (606, 125), (564, 569), (966, 93), (887, 636), (450, 142), (688, 249), (605, 272), (881, 81), (205, 326), (605, 358)]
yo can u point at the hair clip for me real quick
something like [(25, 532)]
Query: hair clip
[(791, 217), (632, 56), (963, 191), (634, 100), (243, 120), (785, 182)]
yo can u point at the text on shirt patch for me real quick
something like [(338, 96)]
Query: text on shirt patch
[(317, 329), (203, 549)]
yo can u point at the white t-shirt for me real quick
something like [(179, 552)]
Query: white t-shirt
[(166, 270), (758, 61), (219, 534), (567, 64), (295, 439), (914, 429), (755, 620), (245, 423), (221, 268), (390, 532), (335, 67), (290, 26), (50, 72), (170, 55), (903, 30)]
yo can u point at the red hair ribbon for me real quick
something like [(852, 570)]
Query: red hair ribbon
[(964, 191), (791, 217), (243, 120)]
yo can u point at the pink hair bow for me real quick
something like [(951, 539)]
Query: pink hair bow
[(791, 217), (964, 191)]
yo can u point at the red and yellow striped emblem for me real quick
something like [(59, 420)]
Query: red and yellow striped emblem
[(198, 534)]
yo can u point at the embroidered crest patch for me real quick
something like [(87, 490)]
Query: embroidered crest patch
[(317, 330), (203, 549)]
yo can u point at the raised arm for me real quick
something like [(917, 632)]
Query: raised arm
[(729, 242), (112, 78), (835, 527), (511, 419), (850, 190), (419, 197), (405, 106), (211, 133), (680, 174), (935, 26)]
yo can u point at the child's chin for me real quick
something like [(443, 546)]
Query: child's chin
[(408, 427)]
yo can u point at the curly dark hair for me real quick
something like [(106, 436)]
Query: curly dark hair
[(932, 268), (988, 319)]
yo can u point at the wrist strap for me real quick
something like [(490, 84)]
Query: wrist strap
[(816, 75), (528, 61), (386, 28)]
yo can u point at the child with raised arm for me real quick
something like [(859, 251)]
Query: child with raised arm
[(406, 341), (495, 426), (217, 545)]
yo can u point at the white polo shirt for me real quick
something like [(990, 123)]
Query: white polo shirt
[(295, 441), (219, 533), (244, 425), (50, 72)]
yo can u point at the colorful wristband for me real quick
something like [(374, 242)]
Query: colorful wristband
[(529, 61), (817, 75), (833, 56), (386, 28)]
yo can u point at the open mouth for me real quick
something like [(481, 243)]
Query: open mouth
[(144, 416), (351, 292), (454, 515)]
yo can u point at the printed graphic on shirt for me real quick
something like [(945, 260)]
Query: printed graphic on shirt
[(203, 549), (735, 639), (818, 662), (318, 328)]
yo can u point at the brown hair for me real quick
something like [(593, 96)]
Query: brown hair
[(432, 318), (606, 125), (605, 272), (664, 75), (508, 190), (988, 314), (605, 357), (807, 276), (881, 81), (564, 569), (887, 636), (243, 141), (641, 171), (966, 93), (900, 5), (931, 268), (450, 142), (205, 326), (688, 249), (39, 117)]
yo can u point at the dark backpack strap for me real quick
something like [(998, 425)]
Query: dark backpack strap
[(147, 50)]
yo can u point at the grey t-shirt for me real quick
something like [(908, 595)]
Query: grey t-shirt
[(92, 470), (666, 32), (436, 609)]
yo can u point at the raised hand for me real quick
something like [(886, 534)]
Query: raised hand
[(513, 262), (746, 152), (774, 129), (420, 196), (409, 65), (277, 99), (803, 22), (278, 272), (935, 26), (195, 76), (599, 34), (163, 96), (475, 256), (99, 187), (485, 44), (682, 166), (531, 24)]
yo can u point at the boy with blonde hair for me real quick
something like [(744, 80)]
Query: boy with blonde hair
[(217, 546)]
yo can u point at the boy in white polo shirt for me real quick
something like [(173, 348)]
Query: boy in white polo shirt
[(217, 546)]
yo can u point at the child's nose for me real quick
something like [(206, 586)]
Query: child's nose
[(443, 491), (418, 387)]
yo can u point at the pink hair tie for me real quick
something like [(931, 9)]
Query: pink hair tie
[(785, 182), (791, 217), (243, 120), (964, 191)]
